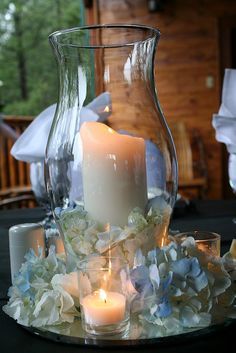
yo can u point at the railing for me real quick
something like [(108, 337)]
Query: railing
[(193, 176), (15, 187)]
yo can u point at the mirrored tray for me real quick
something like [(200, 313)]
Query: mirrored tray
[(74, 334)]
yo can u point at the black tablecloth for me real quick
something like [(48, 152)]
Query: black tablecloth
[(202, 215)]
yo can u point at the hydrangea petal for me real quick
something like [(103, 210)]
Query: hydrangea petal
[(140, 280), (200, 282), (163, 309), (139, 259), (195, 269), (182, 267), (188, 317), (154, 276)]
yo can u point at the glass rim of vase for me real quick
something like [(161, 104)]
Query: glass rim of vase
[(207, 235), (152, 33)]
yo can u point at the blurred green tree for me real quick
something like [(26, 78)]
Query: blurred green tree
[(28, 71)]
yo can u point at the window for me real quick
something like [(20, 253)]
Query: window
[(28, 72)]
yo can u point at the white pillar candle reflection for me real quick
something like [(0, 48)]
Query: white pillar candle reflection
[(114, 173)]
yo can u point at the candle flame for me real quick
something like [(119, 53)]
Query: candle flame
[(103, 295), (201, 246)]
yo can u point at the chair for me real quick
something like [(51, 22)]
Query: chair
[(191, 161), (15, 186)]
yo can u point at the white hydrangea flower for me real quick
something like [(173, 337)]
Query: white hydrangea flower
[(54, 307), (84, 236), (109, 238), (81, 246), (19, 309), (69, 282), (37, 297)]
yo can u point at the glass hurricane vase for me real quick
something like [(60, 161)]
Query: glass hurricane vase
[(111, 165), (39, 189)]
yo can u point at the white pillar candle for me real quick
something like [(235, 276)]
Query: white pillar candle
[(103, 308), (114, 173), (22, 238)]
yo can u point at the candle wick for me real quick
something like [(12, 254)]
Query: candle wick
[(105, 300)]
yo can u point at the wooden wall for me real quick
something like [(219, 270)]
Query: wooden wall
[(188, 55)]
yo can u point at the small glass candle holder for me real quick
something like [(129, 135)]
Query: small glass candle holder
[(208, 242), (104, 301)]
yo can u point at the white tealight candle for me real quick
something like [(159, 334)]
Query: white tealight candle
[(103, 308), (114, 173)]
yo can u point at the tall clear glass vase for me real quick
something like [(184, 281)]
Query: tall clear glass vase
[(111, 165)]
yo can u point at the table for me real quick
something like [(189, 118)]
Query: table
[(200, 215)]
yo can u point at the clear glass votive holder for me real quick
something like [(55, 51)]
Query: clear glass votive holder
[(104, 300), (206, 241)]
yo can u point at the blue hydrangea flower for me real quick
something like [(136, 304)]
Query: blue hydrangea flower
[(140, 280), (152, 289)]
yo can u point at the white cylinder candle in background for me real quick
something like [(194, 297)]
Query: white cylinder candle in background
[(114, 173), (22, 238)]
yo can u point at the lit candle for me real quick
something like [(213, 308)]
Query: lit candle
[(210, 246), (114, 173), (207, 248), (103, 308), (206, 241)]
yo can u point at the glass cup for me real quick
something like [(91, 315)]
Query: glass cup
[(208, 242), (104, 301)]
